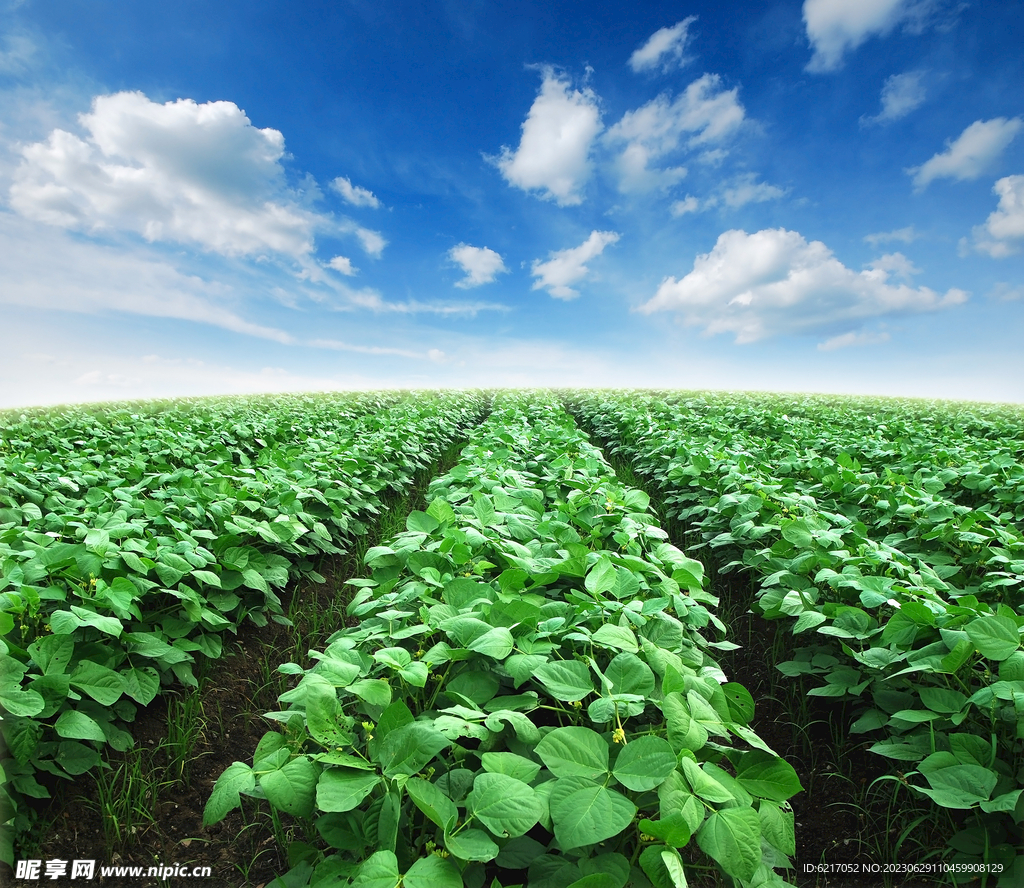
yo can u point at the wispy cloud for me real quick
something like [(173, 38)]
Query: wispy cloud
[(432, 354), (733, 193), (854, 338), (774, 282), (906, 235), (353, 194), (16, 53), (481, 265), (664, 49), (566, 267), (901, 94), (745, 189), (971, 154), (705, 112), (373, 301), (553, 156), (835, 27), (44, 268)]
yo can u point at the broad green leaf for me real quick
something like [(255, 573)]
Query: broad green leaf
[(102, 684), (684, 732), (324, 717), (421, 522), (996, 637), (477, 685), (142, 684), (565, 680), (703, 784), (672, 830), (519, 853), (441, 511), (432, 802), (506, 806), (1007, 802), (496, 643), (342, 789), (629, 674), (777, 827), (380, 870), (953, 785), (663, 867), (375, 691), (18, 701), (584, 813), (432, 872), (741, 703), (225, 796), (574, 752), (75, 725), (290, 788), (643, 763), (52, 653), (618, 637), (511, 764), (732, 837), (66, 622), (408, 749), (942, 700), (601, 577), (970, 749), (471, 844), (76, 758), (523, 666), (767, 776)]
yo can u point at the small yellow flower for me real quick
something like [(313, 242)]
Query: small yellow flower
[(618, 736)]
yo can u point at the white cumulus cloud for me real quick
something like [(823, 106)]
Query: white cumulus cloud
[(566, 267), (665, 48), (704, 112), (343, 265), (901, 94), (835, 27), (1002, 234), (774, 282), (372, 241), (480, 264), (688, 204), (188, 173), (971, 154), (895, 264), (353, 194), (553, 156)]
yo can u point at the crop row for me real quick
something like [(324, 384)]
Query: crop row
[(970, 451), (130, 542), (914, 600), (529, 695)]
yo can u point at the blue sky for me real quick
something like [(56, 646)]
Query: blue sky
[(246, 197)]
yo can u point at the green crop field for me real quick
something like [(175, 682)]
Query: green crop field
[(547, 639)]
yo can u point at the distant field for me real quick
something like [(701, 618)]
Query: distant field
[(539, 638)]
